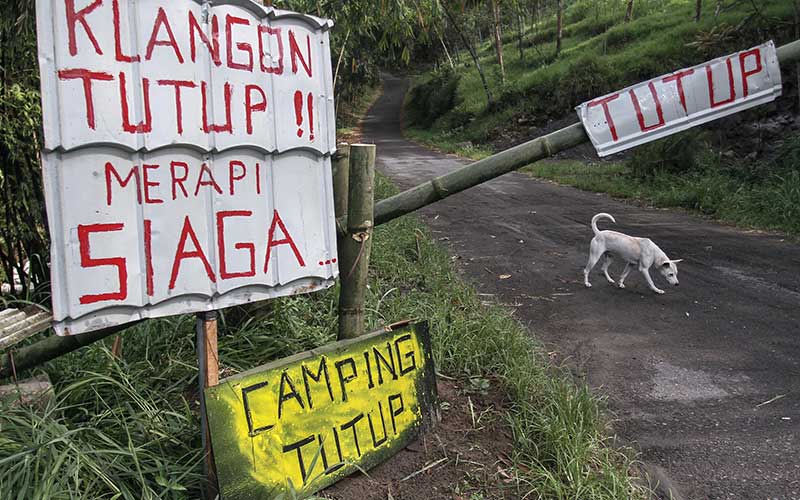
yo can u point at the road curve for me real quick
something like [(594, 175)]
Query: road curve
[(704, 379)]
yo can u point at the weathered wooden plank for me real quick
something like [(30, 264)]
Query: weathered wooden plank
[(311, 419)]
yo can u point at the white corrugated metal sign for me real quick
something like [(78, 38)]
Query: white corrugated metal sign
[(187, 156), (681, 100)]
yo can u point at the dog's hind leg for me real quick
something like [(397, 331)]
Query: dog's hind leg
[(595, 253), (607, 262), (625, 273)]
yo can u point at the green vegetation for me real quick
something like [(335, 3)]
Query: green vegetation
[(129, 428), (600, 53), (764, 195), (447, 109)]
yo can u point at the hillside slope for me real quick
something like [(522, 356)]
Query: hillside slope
[(600, 53), (740, 169)]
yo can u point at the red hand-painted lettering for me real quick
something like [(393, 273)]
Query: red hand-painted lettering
[(132, 174), (678, 77), (148, 184), (212, 45), (73, 18), (120, 55), (87, 77), (178, 181), (230, 21), (251, 248), (287, 240), (145, 125), (756, 53), (731, 89), (178, 85), (294, 52), (251, 107), (181, 254), (162, 21), (205, 171), (87, 261), (603, 101), (210, 127), (276, 32), (637, 106), (232, 174), (148, 255)]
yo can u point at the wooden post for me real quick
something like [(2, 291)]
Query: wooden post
[(116, 349), (208, 358), (341, 180), (356, 244)]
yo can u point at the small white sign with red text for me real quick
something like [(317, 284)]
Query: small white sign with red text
[(187, 156), (681, 100)]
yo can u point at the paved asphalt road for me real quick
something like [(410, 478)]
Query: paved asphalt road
[(686, 373)]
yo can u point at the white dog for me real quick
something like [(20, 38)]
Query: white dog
[(639, 252)]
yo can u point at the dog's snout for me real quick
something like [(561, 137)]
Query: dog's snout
[(677, 283)]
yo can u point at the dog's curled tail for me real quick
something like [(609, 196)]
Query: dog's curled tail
[(598, 217)]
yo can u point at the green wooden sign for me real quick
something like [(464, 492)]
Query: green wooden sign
[(304, 422)]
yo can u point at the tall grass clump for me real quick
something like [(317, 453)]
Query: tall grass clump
[(683, 171), (128, 428)]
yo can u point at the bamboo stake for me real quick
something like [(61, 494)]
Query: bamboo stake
[(208, 360), (355, 249), (341, 180), (116, 349), (478, 173)]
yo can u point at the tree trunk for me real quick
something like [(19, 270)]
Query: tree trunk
[(559, 24), (521, 31), (444, 48), (629, 11), (498, 38), (797, 36), (697, 10), (472, 53)]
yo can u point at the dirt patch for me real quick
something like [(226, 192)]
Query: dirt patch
[(465, 458)]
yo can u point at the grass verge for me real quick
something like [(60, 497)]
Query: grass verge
[(771, 203), (129, 428)]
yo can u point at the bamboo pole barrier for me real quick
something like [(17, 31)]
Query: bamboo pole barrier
[(356, 245), (385, 211), (501, 163), (51, 348)]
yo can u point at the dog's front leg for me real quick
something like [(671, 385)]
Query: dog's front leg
[(625, 273), (653, 287)]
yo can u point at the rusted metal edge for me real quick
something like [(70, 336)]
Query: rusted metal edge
[(16, 326)]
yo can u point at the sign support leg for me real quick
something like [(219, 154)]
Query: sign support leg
[(356, 245), (208, 359)]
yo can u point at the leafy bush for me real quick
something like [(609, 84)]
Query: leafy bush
[(675, 154), (23, 226), (432, 99)]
